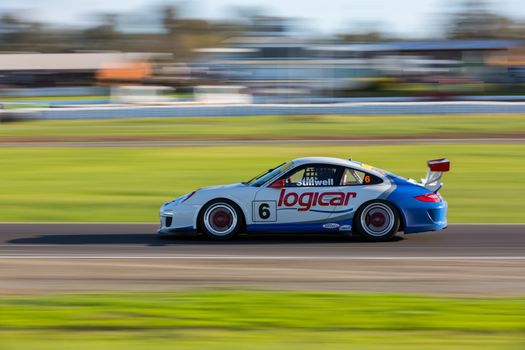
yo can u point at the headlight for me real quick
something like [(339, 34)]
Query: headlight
[(167, 212)]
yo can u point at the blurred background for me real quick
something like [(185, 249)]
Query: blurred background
[(248, 51), (109, 108)]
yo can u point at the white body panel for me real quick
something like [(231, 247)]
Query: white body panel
[(275, 206)]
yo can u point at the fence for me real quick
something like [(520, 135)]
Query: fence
[(376, 108)]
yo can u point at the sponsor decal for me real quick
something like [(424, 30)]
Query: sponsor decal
[(307, 200), (313, 182), (331, 225), (367, 167), (373, 168)]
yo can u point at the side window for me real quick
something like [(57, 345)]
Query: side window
[(312, 176), (353, 177)]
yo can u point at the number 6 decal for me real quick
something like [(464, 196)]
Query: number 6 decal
[(264, 211)]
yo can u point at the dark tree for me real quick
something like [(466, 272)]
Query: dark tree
[(477, 21)]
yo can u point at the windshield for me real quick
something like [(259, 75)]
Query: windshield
[(261, 179)]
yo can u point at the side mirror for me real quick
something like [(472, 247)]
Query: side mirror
[(278, 184)]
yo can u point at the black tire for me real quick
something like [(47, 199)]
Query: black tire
[(221, 219), (377, 221)]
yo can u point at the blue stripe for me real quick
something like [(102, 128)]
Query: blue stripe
[(342, 211), (291, 227)]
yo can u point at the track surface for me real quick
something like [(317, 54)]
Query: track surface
[(464, 259)]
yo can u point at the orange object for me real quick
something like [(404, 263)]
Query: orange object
[(125, 71)]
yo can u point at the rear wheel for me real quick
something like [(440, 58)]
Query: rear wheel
[(377, 221), (221, 219)]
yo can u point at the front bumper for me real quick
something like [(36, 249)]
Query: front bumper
[(171, 225), (164, 232), (177, 219)]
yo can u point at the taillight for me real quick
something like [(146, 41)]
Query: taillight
[(429, 198), (188, 197)]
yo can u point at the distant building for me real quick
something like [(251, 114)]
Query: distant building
[(284, 65), (281, 65), (72, 69)]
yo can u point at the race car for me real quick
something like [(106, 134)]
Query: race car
[(314, 194)]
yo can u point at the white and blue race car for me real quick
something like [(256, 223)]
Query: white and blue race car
[(314, 194)]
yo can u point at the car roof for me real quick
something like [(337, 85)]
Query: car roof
[(335, 161)]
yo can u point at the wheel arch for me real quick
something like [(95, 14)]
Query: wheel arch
[(402, 218), (221, 199)]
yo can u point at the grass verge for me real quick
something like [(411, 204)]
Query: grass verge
[(260, 320), (129, 184), (267, 128)]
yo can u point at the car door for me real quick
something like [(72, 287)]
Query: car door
[(304, 199)]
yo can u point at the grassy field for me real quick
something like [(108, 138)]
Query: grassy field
[(260, 320), (253, 128), (129, 184)]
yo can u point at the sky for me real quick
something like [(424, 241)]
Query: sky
[(409, 18)]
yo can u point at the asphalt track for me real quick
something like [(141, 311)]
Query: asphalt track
[(463, 259)]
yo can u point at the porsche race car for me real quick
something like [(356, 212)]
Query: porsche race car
[(314, 194)]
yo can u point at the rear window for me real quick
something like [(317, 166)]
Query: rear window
[(352, 177)]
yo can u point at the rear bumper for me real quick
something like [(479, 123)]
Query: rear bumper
[(431, 217), (425, 228)]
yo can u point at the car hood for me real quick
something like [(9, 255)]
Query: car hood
[(223, 187)]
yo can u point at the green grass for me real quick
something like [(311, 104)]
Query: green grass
[(287, 127), (129, 184), (260, 320), (17, 105)]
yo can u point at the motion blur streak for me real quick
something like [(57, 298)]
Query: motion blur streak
[(171, 54), (110, 108), (464, 259)]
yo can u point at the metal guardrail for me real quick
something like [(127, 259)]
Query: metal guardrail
[(372, 108)]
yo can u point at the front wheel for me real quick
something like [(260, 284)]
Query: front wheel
[(377, 221), (220, 219)]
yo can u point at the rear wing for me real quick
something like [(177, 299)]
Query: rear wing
[(436, 168)]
